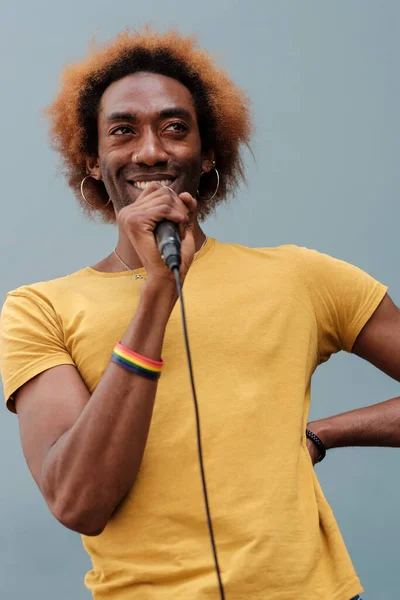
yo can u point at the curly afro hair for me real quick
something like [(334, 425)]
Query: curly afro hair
[(222, 108)]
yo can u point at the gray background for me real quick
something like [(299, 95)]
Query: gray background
[(324, 81)]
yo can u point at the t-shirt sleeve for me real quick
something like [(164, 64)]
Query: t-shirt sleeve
[(31, 341), (344, 298)]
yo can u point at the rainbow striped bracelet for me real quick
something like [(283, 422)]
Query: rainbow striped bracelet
[(136, 363)]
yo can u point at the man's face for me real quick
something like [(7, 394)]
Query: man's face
[(148, 131)]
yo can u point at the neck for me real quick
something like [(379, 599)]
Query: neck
[(127, 252)]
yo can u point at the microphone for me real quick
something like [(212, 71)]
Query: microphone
[(169, 243)]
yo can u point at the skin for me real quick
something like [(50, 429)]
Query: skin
[(83, 466), (141, 145), (379, 424)]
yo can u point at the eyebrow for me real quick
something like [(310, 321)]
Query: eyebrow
[(166, 113)]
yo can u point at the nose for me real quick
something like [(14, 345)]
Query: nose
[(150, 150)]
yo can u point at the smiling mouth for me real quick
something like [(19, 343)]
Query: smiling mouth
[(142, 185)]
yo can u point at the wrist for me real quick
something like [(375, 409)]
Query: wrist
[(321, 428), (160, 293), (319, 449)]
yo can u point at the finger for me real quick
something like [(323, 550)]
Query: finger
[(154, 214), (175, 204), (170, 197), (166, 206), (160, 203), (189, 201), (145, 218), (153, 187), (183, 225), (156, 190)]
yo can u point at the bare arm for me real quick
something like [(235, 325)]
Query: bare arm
[(379, 424), (85, 451), (85, 471)]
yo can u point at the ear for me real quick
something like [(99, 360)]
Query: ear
[(93, 167), (207, 161)]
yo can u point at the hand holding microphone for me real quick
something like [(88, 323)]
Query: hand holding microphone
[(161, 213)]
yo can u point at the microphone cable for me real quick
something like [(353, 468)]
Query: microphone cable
[(175, 270)]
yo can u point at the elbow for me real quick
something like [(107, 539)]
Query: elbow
[(85, 520), (83, 528), (80, 523), (89, 532), (85, 511)]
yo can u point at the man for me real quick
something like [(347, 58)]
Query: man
[(149, 129)]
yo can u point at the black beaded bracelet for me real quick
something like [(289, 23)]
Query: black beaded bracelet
[(314, 438)]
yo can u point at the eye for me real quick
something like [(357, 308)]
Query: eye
[(176, 127), (122, 130)]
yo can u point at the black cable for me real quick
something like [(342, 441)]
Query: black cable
[(200, 452)]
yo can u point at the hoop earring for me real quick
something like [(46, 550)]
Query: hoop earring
[(216, 189), (87, 201)]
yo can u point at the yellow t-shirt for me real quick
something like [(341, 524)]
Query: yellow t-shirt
[(260, 321)]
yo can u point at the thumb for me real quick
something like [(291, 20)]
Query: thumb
[(190, 203)]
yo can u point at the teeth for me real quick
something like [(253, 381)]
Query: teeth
[(144, 184)]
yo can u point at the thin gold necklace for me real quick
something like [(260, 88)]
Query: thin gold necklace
[(137, 276)]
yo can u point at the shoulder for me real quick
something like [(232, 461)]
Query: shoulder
[(315, 269), (282, 252), (285, 260), (44, 292)]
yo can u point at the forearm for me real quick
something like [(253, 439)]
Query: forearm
[(91, 468), (376, 425)]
